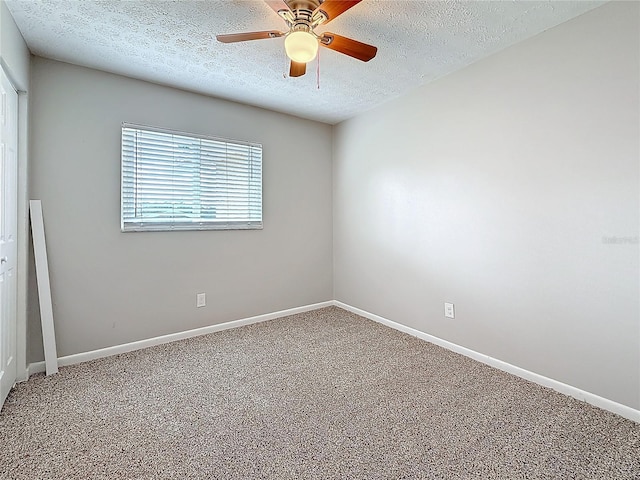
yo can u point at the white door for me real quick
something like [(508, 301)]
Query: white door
[(8, 227)]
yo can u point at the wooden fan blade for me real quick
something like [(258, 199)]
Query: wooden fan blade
[(333, 8), (297, 69), (350, 47), (243, 37), (277, 5)]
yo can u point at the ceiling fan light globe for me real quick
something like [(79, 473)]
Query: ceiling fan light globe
[(301, 47)]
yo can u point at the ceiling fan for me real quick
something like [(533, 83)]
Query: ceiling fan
[(301, 42)]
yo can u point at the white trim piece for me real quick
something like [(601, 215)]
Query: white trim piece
[(582, 395), (38, 367), (44, 287), (22, 372)]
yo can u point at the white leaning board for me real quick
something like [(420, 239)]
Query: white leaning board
[(44, 287)]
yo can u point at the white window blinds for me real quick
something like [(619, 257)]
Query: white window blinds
[(178, 181)]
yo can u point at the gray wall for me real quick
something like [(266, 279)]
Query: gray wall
[(110, 287), (497, 188)]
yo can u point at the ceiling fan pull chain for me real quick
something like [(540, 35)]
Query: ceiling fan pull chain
[(318, 70), (285, 68)]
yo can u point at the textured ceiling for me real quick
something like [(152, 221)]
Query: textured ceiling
[(173, 43)]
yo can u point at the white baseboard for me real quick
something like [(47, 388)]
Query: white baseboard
[(39, 367), (582, 395), (593, 399), (35, 367)]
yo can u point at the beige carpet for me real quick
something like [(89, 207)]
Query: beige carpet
[(325, 394)]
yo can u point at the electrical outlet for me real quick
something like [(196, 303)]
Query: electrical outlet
[(449, 311), (201, 299)]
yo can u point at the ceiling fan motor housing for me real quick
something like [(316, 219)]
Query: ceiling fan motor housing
[(301, 16)]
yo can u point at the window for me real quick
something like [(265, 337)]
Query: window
[(179, 181)]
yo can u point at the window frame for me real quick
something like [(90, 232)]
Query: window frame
[(133, 224)]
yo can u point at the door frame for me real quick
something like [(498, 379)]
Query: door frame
[(9, 212), (22, 232)]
